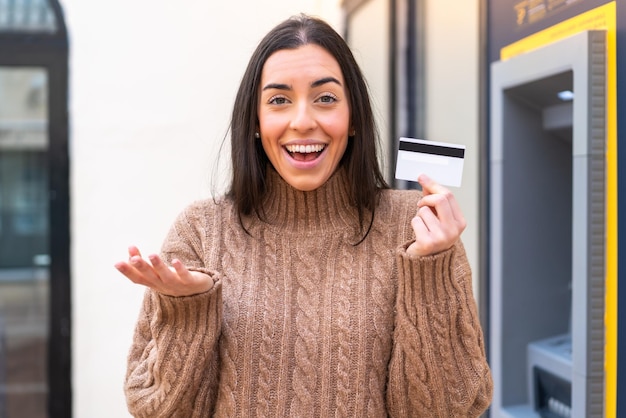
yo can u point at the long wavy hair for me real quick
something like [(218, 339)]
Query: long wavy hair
[(249, 161)]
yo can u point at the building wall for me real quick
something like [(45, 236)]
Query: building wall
[(151, 87), (369, 40), (451, 104)]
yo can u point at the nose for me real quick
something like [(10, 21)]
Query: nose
[(303, 119)]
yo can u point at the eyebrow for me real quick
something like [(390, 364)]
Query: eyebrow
[(316, 83), (325, 80)]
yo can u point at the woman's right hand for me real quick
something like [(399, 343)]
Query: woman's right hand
[(172, 281)]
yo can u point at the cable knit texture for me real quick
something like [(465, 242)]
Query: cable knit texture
[(303, 323)]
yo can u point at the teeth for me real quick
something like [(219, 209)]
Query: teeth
[(304, 149)]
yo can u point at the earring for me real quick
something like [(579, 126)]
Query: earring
[(352, 132), (257, 135)]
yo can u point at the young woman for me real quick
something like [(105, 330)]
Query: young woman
[(310, 288)]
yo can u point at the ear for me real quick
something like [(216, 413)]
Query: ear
[(351, 131)]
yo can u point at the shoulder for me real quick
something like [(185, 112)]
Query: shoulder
[(199, 220), (202, 210)]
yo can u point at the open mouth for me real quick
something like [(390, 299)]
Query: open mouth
[(305, 152)]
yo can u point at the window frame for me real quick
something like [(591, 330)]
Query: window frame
[(50, 51)]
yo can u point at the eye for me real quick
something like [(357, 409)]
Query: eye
[(277, 100), (327, 98)]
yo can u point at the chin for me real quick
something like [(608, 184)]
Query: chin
[(306, 185)]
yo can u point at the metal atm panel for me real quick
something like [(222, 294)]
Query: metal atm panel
[(547, 230)]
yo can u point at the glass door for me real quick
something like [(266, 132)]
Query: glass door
[(24, 241)]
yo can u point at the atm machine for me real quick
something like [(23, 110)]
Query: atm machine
[(547, 230)]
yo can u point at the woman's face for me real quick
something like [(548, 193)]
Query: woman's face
[(304, 115)]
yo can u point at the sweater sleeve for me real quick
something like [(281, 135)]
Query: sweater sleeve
[(438, 366), (172, 368)]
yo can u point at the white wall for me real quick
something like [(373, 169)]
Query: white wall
[(151, 87)]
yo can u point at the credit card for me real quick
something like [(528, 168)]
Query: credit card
[(441, 161)]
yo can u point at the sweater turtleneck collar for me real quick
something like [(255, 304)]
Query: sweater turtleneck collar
[(323, 209)]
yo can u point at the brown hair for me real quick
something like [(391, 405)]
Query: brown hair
[(249, 161)]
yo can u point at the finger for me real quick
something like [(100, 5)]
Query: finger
[(446, 207), (430, 220), (131, 273), (456, 211), (145, 270), (439, 205), (430, 186), (123, 267), (424, 242), (182, 271), (419, 226), (163, 270), (133, 251)]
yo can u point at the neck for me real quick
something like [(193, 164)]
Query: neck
[(326, 208)]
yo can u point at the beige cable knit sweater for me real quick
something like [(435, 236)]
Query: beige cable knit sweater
[(302, 323)]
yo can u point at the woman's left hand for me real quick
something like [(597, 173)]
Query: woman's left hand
[(439, 221)]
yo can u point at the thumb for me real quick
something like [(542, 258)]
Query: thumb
[(427, 183)]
